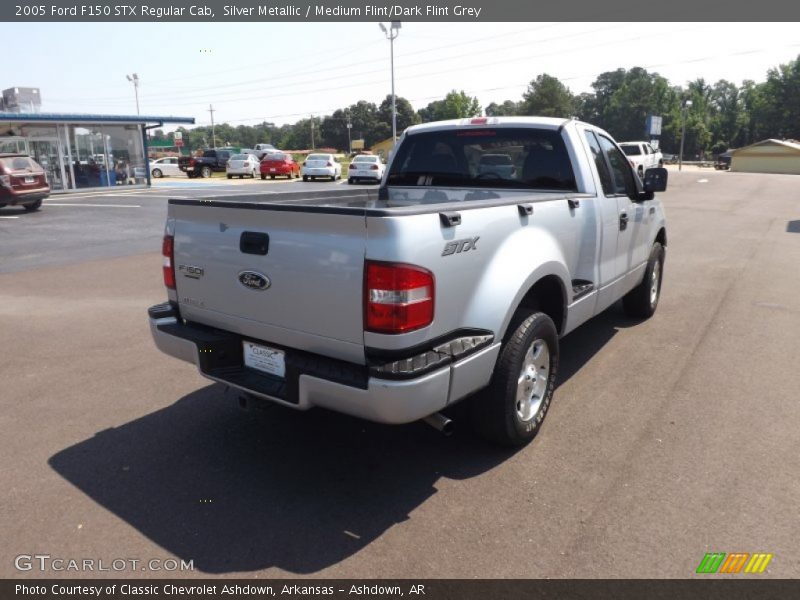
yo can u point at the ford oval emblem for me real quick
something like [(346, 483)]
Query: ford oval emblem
[(254, 281)]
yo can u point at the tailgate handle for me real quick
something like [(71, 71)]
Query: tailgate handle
[(253, 242), (450, 219)]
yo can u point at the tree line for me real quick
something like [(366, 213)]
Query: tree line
[(721, 115)]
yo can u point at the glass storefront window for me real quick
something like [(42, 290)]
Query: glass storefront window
[(124, 144)]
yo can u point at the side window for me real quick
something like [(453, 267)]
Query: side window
[(620, 171), (600, 163)]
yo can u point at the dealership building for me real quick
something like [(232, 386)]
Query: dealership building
[(79, 151)]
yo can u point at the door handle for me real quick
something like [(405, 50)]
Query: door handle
[(623, 221)]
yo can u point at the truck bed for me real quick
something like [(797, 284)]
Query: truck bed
[(374, 203)]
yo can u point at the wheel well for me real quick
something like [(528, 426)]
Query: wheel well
[(661, 237), (546, 295)]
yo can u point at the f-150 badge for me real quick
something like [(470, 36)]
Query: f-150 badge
[(460, 246)]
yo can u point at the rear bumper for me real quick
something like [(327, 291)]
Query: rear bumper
[(315, 380), (21, 198)]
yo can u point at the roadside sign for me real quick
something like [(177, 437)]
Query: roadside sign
[(178, 142), (178, 135)]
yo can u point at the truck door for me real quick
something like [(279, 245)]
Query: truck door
[(618, 215)]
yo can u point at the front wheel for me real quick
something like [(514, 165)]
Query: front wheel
[(305, 177), (263, 177), (33, 206), (157, 174), (205, 172), (511, 409), (642, 300)]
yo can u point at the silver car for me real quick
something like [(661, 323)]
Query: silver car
[(321, 165), (243, 164)]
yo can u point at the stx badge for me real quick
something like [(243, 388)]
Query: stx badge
[(460, 246)]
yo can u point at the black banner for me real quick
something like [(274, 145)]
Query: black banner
[(429, 589)]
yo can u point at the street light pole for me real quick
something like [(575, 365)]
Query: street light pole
[(135, 80), (349, 140), (686, 106), (391, 34)]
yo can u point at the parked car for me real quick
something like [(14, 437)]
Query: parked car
[(642, 156), (205, 164), (22, 182), (276, 164), (723, 162), (243, 164), (366, 166), (447, 287), (496, 165), (165, 167), (321, 165)]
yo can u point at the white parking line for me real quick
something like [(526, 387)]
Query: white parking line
[(94, 205), (10, 217)]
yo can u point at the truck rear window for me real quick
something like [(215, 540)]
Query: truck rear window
[(518, 158), (631, 150)]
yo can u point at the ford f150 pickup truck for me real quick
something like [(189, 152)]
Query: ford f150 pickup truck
[(452, 281)]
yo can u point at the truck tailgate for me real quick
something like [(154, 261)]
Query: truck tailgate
[(305, 275)]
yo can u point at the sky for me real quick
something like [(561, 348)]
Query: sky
[(253, 72)]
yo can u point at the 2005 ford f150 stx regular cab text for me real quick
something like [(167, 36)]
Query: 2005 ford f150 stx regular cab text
[(451, 282)]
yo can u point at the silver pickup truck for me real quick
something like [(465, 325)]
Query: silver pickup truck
[(454, 280)]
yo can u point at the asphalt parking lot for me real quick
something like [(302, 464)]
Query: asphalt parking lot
[(667, 438)]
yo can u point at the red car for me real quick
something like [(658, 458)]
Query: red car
[(22, 182), (279, 163)]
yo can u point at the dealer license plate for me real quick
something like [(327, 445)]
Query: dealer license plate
[(265, 359)]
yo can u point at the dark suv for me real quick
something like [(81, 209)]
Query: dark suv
[(22, 182)]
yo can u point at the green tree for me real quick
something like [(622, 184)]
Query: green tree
[(509, 108), (406, 116), (547, 97), (455, 105)]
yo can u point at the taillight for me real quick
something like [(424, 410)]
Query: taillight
[(168, 251), (374, 167), (329, 164), (397, 297)]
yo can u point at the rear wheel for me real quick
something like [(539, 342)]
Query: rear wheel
[(350, 180), (642, 300), (511, 409), (33, 206), (263, 176), (305, 177), (230, 176), (272, 176)]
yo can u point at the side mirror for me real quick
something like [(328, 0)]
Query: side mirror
[(655, 180)]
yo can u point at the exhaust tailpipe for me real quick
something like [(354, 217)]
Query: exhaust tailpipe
[(440, 422)]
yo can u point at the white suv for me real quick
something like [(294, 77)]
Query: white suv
[(642, 156)]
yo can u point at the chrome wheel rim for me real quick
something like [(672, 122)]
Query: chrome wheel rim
[(532, 381), (654, 283)]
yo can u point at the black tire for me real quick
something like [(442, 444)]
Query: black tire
[(157, 173), (33, 206), (263, 177), (230, 176), (642, 300), (205, 172), (350, 180), (272, 176), (305, 177), (496, 413)]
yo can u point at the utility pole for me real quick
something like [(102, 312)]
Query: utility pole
[(134, 79), (349, 140), (213, 134), (685, 107), (391, 34), (312, 132)]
